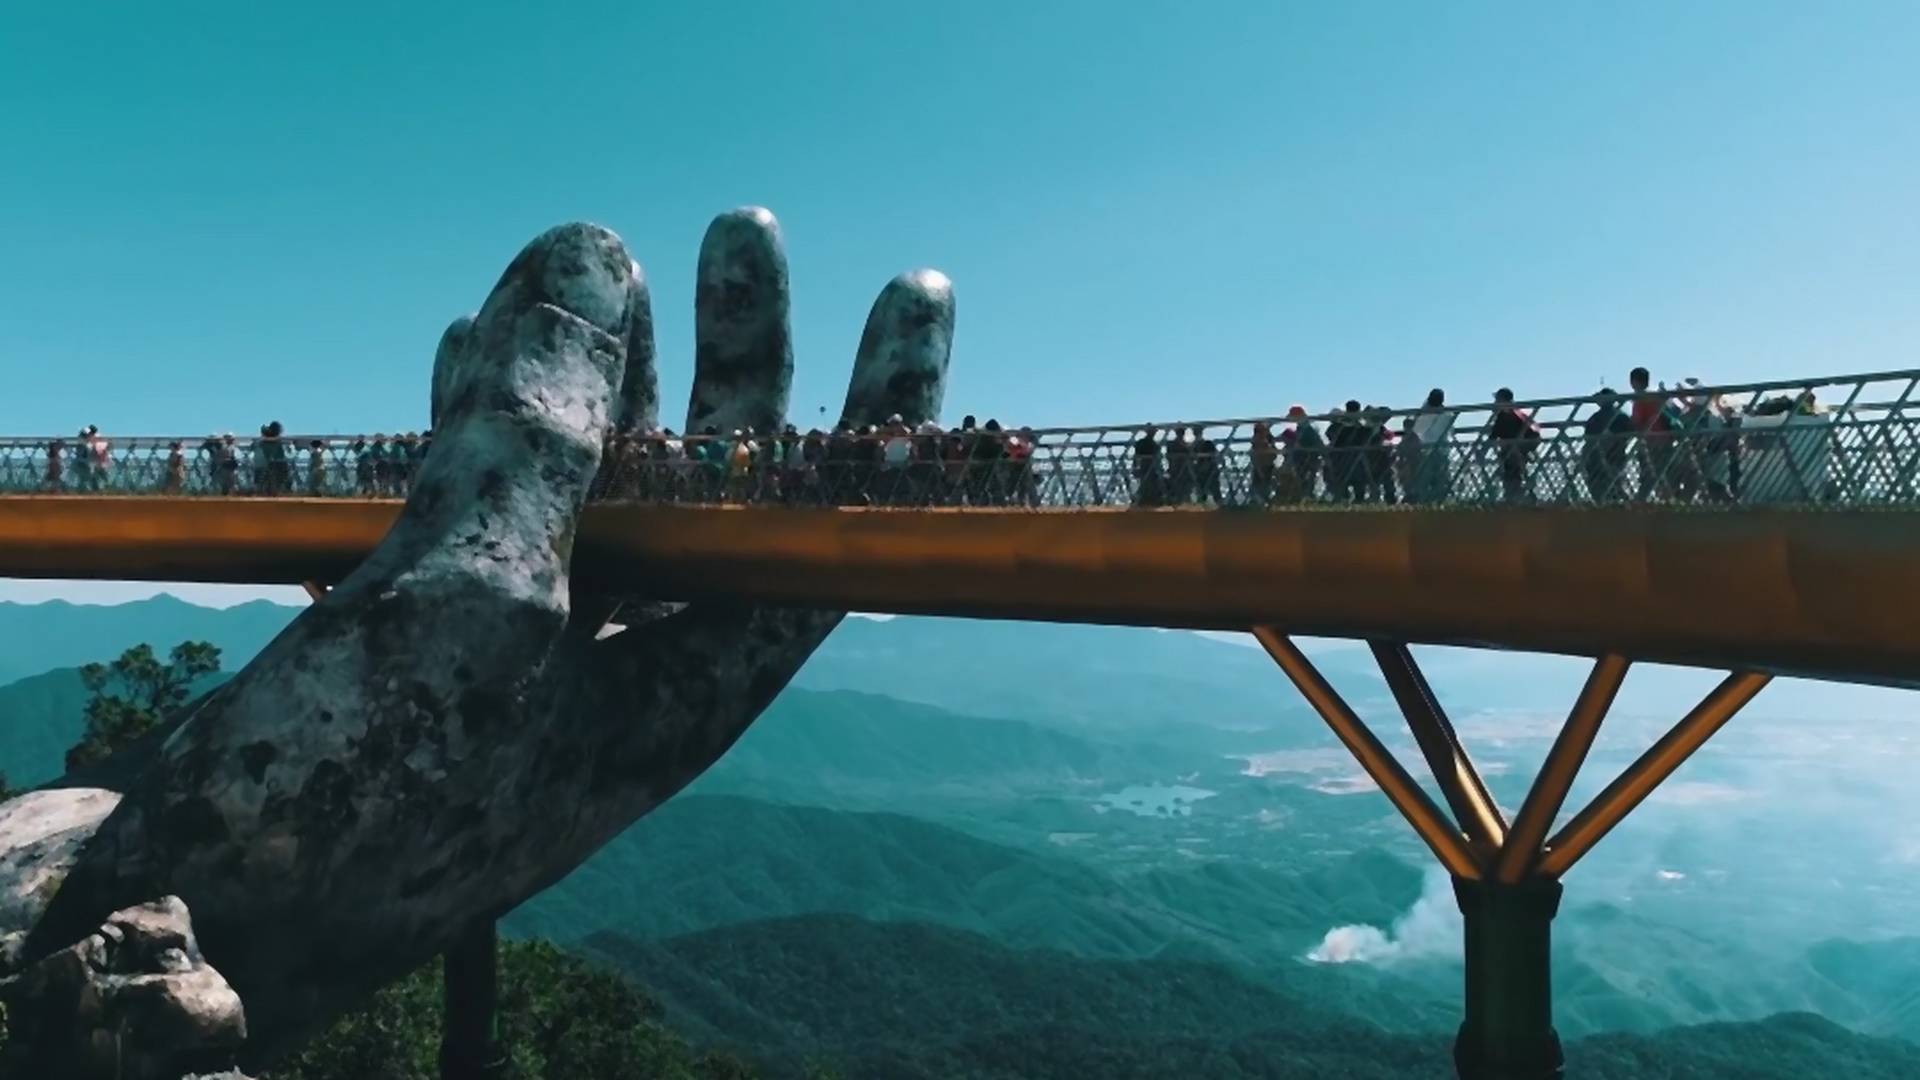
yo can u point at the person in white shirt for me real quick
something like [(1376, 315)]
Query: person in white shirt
[(1429, 478), (896, 457)]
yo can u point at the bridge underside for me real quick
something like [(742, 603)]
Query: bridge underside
[(1790, 592)]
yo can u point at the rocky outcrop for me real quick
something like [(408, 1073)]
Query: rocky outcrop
[(450, 730), (134, 1000)]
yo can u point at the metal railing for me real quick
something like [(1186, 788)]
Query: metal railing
[(1846, 441)]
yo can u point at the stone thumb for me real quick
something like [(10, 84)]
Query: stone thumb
[(523, 394)]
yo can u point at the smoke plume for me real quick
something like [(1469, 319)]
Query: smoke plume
[(1430, 928)]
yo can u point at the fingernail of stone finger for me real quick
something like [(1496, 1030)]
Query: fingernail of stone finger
[(640, 387), (743, 364), (579, 268), (446, 364), (902, 363), (587, 271)]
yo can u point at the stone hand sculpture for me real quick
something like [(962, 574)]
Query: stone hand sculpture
[(451, 729)]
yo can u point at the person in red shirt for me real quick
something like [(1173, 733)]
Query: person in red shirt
[(1656, 435)]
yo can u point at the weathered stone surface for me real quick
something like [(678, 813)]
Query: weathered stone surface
[(450, 731), (902, 363), (134, 1000), (41, 834), (743, 350), (640, 387), (446, 365)]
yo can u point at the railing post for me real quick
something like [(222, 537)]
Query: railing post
[(1508, 1033), (470, 1031)]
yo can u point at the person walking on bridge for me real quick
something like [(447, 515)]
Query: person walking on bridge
[(1346, 461), (101, 453), (174, 481), (1378, 473), (1149, 482), (1205, 456), (1603, 451), (1654, 422), (316, 468), (1179, 468), (82, 461), (278, 476), (53, 480), (1432, 476), (1306, 454), (1514, 437), (1263, 458)]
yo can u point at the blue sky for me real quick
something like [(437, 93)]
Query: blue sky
[(217, 214)]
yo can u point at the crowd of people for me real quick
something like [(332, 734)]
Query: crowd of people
[(891, 464), (271, 464), (1680, 444)]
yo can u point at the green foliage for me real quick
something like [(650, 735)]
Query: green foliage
[(132, 695), (660, 879), (560, 1019), (896, 1001)]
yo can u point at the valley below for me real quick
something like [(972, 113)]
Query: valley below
[(970, 849)]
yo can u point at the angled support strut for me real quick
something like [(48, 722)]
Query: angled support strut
[(1506, 876), (1640, 779), (1459, 781), (1523, 847), (1427, 819)]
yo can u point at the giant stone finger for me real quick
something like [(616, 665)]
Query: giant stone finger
[(639, 408), (901, 367), (743, 350)]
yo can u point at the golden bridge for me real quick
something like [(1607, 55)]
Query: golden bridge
[(1764, 529)]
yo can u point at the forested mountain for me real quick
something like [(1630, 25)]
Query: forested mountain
[(865, 997), (1145, 833)]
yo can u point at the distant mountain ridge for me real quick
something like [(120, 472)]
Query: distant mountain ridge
[(56, 634)]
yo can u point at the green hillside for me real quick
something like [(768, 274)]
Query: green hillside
[(42, 716), (706, 861), (852, 744), (40, 719), (899, 1001)]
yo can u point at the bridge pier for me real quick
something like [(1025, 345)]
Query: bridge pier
[(1506, 878), (469, 1027), (1508, 1033)]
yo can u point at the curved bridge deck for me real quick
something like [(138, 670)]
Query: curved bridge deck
[(1767, 527), (1829, 594)]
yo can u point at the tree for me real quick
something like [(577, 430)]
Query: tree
[(134, 693), (561, 1019)]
